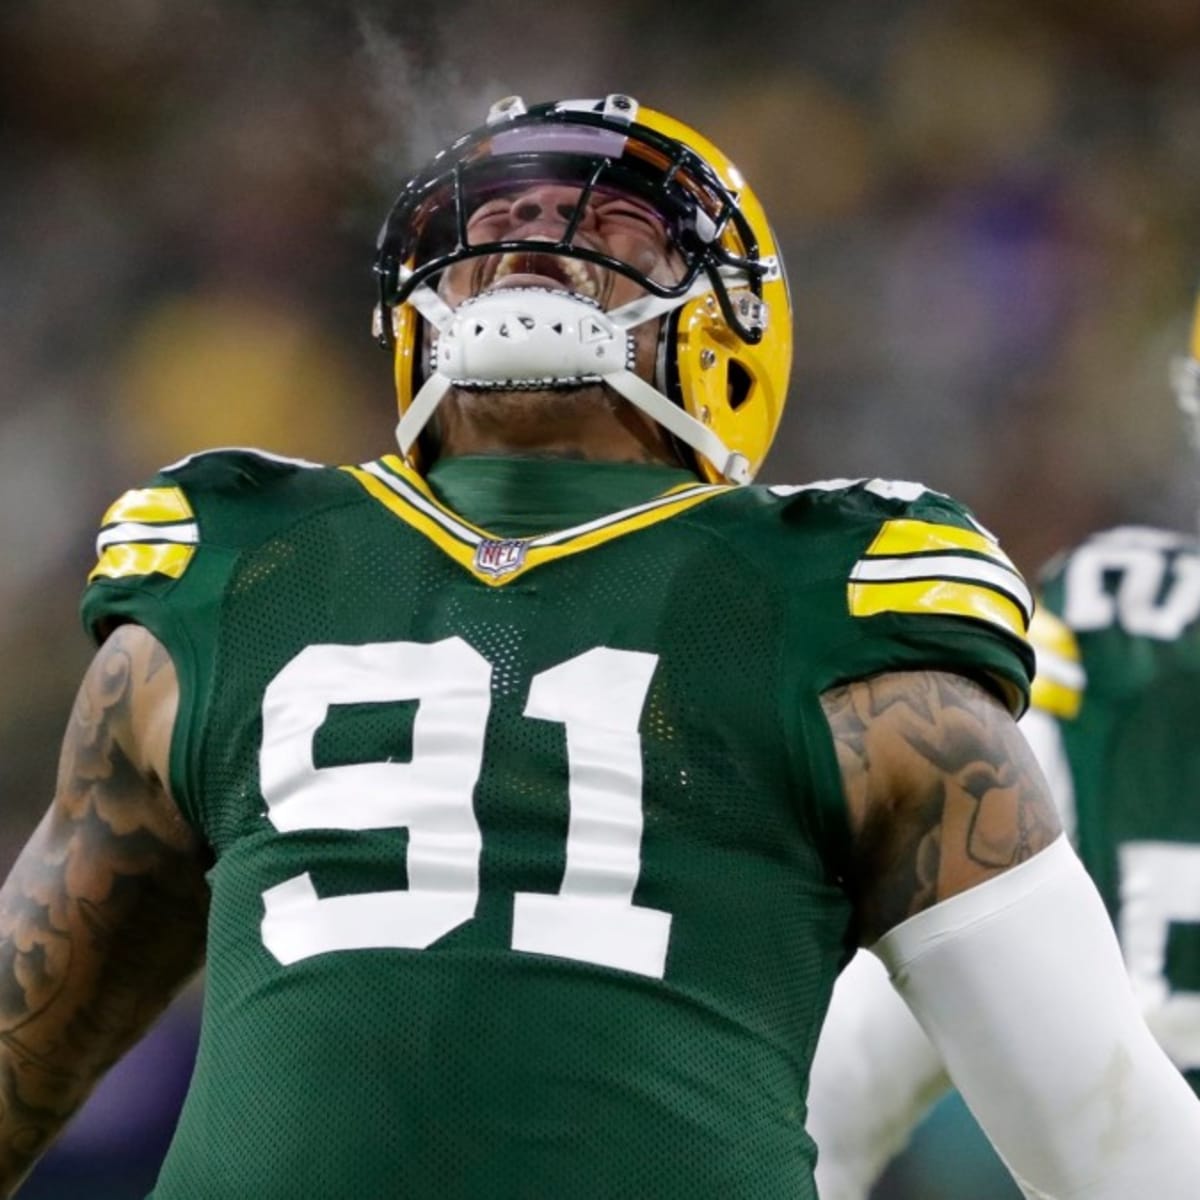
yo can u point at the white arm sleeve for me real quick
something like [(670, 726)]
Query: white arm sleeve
[(874, 1077), (1021, 987)]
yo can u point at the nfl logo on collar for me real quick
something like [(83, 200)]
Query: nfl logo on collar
[(499, 558)]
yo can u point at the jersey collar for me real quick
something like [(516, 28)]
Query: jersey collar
[(493, 558)]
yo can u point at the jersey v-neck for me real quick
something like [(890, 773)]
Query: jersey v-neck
[(499, 516)]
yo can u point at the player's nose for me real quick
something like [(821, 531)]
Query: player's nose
[(552, 203)]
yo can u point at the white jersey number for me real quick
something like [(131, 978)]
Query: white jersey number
[(597, 696), (1160, 885), (1148, 601)]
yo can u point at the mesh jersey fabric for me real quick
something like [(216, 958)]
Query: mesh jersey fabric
[(1131, 598), (469, 1067)]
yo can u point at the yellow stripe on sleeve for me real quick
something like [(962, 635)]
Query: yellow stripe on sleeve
[(142, 558), (937, 597), (159, 504), (1052, 635), (908, 536), (1060, 681), (1057, 699)]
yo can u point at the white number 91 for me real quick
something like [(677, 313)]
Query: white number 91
[(598, 696)]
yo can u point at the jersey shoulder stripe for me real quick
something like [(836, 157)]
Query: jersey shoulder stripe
[(155, 530), (1060, 681), (147, 530), (933, 567), (927, 554), (910, 580)]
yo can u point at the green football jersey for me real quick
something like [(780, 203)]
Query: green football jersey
[(527, 823), (1122, 675)]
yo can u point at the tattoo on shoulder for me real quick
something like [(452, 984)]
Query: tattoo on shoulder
[(942, 789), (102, 917)]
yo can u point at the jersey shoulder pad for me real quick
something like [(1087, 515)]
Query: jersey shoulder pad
[(155, 530), (873, 500), (233, 467), (853, 493), (919, 582), (916, 551)]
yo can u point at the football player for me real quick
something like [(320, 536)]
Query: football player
[(1115, 704), (526, 790)]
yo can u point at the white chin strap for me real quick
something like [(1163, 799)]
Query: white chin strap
[(522, 339)]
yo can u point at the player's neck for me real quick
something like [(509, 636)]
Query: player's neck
[(588, 424)]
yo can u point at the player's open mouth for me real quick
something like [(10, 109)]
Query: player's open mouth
[(530, 269)]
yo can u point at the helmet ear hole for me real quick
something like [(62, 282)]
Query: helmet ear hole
[(738, 383)]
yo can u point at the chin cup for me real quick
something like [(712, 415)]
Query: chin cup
[(518, 338)]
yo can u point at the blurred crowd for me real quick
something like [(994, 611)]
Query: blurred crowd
[(990, 212)]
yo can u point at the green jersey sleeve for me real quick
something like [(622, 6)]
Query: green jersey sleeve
[(160, 544), (917, 583), (164, 554)]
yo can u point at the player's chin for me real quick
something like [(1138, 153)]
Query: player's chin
[(559, 397)]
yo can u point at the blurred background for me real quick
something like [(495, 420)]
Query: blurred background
[(989, 211)]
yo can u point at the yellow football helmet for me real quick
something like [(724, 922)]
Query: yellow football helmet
[(1185, 375), (725, 332)]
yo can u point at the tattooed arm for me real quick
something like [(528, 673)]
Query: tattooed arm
[(102, 918), (1001, 947), (941, 795), (942, 790)]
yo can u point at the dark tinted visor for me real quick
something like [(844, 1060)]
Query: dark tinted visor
[(600, 165)]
